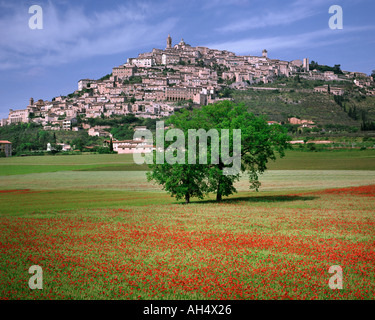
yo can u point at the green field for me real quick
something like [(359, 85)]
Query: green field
[(99, 230), (294, 160)]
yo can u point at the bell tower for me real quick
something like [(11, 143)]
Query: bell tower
[(169, 42)]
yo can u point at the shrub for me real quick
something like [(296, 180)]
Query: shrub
[(311, 146)]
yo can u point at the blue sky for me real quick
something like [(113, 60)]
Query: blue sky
[(86, 38)]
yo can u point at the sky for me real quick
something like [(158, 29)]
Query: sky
[(87, 38)]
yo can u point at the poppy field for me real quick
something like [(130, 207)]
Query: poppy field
[(130, 244), (259, 247)]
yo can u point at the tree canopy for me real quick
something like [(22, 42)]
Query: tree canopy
[(259, 143), (336, 68)]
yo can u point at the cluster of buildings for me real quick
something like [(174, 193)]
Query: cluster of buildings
[(302, 122), (132, 146), (330, 89), (156, 83)]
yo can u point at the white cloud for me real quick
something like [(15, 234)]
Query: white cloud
[(73, 34), (305, 40), (270, 19), (220, 3), (297, 11)]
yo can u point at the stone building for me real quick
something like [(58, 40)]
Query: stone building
[(6, 148), (18, 116)]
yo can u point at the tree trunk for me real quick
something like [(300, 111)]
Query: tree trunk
[(218, 193), (218, 197), (187, 198)]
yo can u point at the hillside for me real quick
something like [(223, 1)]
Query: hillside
[(293, 99), (278, 101), (32, 139)]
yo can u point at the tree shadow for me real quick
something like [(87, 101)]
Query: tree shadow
[(261, 199)]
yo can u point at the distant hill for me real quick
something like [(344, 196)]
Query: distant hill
[(291, 99)]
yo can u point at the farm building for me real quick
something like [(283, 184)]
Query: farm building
[(6, 147)]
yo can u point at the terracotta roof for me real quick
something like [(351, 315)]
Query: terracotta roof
[(135, 146), (5, 141), (128, 141)]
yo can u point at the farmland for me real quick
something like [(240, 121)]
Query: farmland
[(291, 98), (99, 230)]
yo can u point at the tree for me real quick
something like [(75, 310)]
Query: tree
[(322, 68), (226, 92), (111, 145), (78, 144), (106, 77), (337, 69), (259, 144), (200, 63), (55, 148), (373, 74), (313, 65), (182, 181)]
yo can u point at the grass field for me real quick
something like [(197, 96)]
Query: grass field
[(294, 160), (99, 230)]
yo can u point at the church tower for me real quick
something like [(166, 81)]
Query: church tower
[(169, 42), (265, 53)]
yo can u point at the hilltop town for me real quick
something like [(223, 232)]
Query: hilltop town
[(155, 84)]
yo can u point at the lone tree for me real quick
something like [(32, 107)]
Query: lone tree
[(182, 181), (259, 143), (111, 145)]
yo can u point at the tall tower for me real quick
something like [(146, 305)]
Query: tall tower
[(31, 101), (265, 53), (169, 42), (306, 64)]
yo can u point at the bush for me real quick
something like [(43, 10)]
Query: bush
[(311, 146), (367, 138), (106, 77), (104, 150)]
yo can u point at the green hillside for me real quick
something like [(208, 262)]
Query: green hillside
[(30, 138), (297, 99)]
